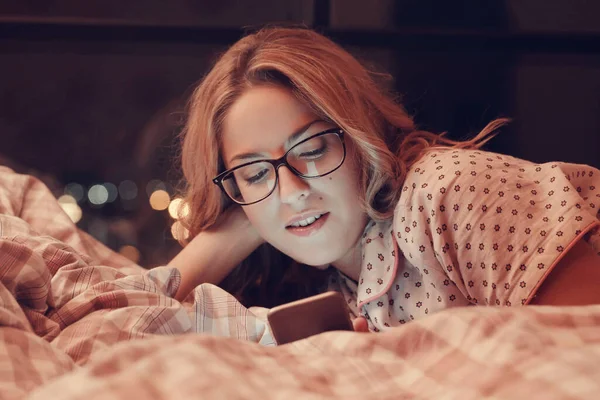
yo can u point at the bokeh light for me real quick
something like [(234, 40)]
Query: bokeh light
[(98, 195), (154, 185), (131, 253), (75, 190), (178, 209), (112, 190), (73, 211), (128, 190), (179, 232), (66, 199), (159, 200), (70, 207)]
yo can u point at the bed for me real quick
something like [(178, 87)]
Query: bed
[(80, 321)]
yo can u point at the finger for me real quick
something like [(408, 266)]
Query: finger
[(360, 325)]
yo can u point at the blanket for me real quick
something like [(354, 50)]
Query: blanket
[(80, 321)]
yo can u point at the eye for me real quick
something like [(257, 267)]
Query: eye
[(257, 177), (313, 149), (314, 153)]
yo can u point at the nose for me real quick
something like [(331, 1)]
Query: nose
[(292, 188)]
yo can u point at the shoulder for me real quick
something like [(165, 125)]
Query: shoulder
[(448, 172)]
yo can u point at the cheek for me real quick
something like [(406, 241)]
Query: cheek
[(340, 189), (345, 182), (260, 217), (344, 190)]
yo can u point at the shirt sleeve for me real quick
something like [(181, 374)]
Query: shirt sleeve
[(493, 224)]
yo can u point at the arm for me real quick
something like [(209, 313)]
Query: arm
[(214, 253), (501, 228), (575, 280)]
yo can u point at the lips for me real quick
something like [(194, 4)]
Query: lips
[(304, 218), (309, 230)]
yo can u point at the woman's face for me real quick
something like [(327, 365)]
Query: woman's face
[(261, 122)]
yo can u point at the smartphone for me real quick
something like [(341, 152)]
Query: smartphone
[(307, 317)]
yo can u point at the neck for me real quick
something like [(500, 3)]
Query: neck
[(350, 264)]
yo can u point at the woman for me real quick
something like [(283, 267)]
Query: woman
[(294, 157)]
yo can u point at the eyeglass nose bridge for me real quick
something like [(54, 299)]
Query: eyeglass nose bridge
[(281, 162)]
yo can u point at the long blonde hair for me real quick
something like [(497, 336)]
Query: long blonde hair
[(339, 89)]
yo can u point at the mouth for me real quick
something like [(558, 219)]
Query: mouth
[(308, 226)]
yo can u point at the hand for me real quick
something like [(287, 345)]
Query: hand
[(234, 220), (234, 223), (360, 324)]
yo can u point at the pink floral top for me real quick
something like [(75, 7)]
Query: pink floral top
[(471, 228)]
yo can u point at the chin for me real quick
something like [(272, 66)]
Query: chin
[(317, 262), (316, 256)]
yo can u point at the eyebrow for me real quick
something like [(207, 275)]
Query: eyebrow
[(294, 136)]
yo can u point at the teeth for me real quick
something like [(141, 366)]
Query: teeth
[(307, 221)]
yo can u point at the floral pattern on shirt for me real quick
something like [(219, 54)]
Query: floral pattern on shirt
[(472, 228)]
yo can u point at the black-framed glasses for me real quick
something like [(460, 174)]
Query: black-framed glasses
[(314, 157)]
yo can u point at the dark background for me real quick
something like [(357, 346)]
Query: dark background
[(94, 91)]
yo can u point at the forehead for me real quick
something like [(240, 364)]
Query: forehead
[(261, 120)]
